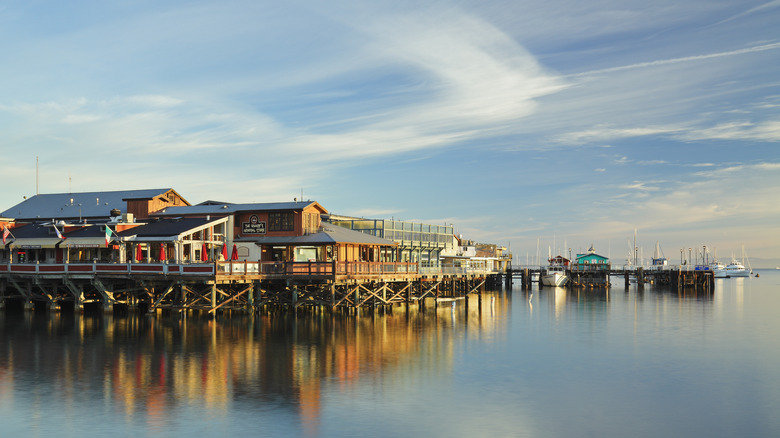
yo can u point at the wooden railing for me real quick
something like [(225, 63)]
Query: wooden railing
[(233, 268), (314, 268), (237, 268), (107, 268)]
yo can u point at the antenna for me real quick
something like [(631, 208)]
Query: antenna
[(36, 174)]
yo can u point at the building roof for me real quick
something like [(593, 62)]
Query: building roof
[(213, 208), (168, 228), (77, 205), (592, 255), (327, 235), (33, 235)]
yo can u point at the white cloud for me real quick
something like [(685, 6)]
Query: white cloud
[(768, 131)]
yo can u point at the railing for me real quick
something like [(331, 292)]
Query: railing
[(314, 268), (458, 270), (108, 268), (238, 268)]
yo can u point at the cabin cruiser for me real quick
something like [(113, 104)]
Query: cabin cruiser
[(733, 269), (554, 275)]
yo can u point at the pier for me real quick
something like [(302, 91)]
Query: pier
[(676, 277), (236, 285)]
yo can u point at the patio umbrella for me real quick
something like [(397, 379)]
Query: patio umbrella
[(139, 255), (234, 256), (224, 251), (203, 256), (162, 252)]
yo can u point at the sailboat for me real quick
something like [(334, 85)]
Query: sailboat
[(659, 261)]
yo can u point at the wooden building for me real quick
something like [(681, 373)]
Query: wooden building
[(94, 206), (590, 261), (153, 248)]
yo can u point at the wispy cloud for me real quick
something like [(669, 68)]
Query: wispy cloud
[(762, 131), (661, 62)]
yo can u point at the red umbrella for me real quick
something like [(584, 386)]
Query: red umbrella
[(162, 252), (234, 256), (224, 251), (138, 253), (203, 256)]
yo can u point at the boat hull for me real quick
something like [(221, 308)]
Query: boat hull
[(554, 279)]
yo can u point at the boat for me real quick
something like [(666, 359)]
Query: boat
[(659, 260), (734, 269), (555, 274), (718, 269), (737, 268)]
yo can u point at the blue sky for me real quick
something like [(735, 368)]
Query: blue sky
[(558, 121)]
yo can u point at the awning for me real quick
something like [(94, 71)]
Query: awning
[(35, 242), (84, 242)]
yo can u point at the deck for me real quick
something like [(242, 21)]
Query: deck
[(237, 284)]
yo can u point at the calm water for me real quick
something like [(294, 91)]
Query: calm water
[(550, 363)]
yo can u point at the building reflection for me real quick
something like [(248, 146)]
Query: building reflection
[(144, 367)]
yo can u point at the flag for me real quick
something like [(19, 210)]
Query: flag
[(108, 235), (59, 235), (6, 233)]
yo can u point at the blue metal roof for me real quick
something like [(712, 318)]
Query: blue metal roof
[(77, 205)]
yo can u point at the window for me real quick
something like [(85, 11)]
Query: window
[(281, 221)]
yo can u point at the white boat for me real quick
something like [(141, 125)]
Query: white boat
[(554, 275), (718, 269), (733, 269)]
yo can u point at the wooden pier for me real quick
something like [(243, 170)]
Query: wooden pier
[(673, 277), (235, 286)]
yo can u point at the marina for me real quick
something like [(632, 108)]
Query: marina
[(516, 360)]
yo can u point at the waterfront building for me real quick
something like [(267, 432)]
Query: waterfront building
[(560, 260), (416, 242), (96, 207), (590, 261), (470, 255), (153, 248)]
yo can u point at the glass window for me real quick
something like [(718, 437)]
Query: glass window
[(282, 221)]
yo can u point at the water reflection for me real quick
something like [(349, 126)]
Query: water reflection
[(147, 367), (512, 363)]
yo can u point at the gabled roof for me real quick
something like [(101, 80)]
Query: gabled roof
[(213, 208), (592, 255), (77, 205), (327, 235)]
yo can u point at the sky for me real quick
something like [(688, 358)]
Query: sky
[(550, 124)]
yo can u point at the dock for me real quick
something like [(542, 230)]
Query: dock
[(675, 277), (236, 286)]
